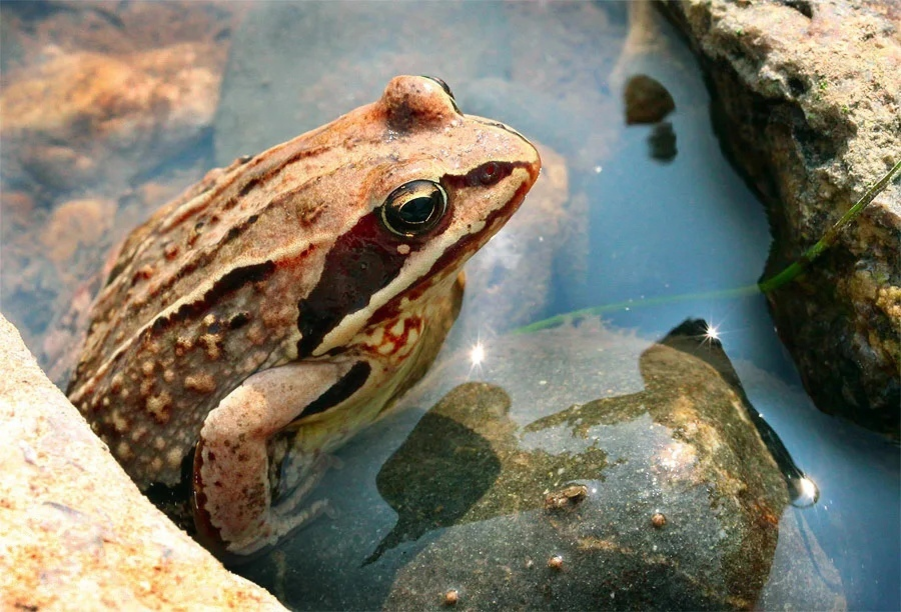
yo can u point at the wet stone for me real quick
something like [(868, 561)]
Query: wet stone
[(522, 494), (647, 100), (806, 97)]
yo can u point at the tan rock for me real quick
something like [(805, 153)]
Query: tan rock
[(75, 533), (117, 116)]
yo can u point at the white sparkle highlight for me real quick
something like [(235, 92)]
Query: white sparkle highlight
[(477, 354)]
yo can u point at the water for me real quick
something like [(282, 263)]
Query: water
[(689, 226), (693, 226), (654, 229)]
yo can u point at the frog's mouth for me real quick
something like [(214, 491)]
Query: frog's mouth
[(466, 246)]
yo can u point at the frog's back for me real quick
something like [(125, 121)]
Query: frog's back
[(288, 256), (199, 297)]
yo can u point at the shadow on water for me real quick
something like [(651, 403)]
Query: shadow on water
[(665, 215), (434, 479), (484, 468)]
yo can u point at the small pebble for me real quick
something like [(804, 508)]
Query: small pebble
[(451, 597), (555, 562), (658, 520)]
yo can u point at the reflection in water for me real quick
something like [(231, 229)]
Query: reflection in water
[(499, 476), (662, 142), (804, 492), (591, 482), (648, 102), (700, 339), (435, 478), (463, 463), (655, 229)]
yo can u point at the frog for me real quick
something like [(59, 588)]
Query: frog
[(260, 320)]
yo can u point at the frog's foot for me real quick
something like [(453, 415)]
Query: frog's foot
[(233, 505)]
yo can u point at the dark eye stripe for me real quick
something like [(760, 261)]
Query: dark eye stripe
[(362, 261)]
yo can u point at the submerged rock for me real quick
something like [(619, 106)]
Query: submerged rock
[(584, 470), (810, 99), (107, 110), (647, 100)]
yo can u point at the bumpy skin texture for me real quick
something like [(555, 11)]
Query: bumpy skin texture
[(275, 294)]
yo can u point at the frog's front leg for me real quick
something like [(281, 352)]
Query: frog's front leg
[(232, 497)]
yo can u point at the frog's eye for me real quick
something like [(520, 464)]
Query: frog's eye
[(414, 208)]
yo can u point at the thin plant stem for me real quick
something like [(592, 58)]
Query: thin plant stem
[(765, 286), (829, 237)]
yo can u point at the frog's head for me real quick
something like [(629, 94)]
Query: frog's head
[(436, 185)]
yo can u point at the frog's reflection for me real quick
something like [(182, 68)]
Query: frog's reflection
[(463, 463)]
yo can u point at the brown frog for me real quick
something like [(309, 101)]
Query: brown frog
[(263, 318)]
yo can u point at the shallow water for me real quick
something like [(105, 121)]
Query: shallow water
[(689, 226), (693, 226), (654, 229)]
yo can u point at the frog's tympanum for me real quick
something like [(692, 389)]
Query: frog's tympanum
[(281, 305)]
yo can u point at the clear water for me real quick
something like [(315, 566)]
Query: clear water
[(655, 229), (660, 229), (693, 226)]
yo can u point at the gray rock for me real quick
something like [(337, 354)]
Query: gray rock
[(809, 94), (500, 478)]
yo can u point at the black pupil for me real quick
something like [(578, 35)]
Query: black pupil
[(415, 208), (418, 209)]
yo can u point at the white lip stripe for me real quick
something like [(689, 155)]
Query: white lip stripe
[(417, 266)]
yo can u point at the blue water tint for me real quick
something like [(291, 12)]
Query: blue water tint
[(856, 520), (691, 226)]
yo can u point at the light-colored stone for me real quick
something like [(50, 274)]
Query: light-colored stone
[(75, 533), (118, 116), (811, 97)]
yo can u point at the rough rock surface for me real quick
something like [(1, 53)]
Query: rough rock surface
[(75, 533), (810, 98), (117, 116)]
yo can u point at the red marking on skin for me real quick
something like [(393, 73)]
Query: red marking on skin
[(401, 340), (362, 261), (207, 533)]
